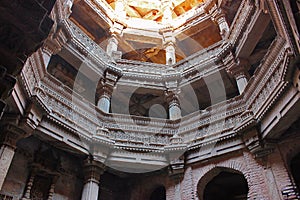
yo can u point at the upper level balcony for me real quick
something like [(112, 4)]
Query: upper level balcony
[(91, 89)]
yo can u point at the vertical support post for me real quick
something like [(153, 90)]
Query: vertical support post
[(174, 106), (105, 91), (9, 136), (112, 45), (239, 72), (92, 172), (222, 23)]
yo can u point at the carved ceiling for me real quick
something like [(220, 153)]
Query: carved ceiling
[(153, 9)]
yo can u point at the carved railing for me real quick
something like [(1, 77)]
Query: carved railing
[(83, 118), (241, 22), (268, 76)]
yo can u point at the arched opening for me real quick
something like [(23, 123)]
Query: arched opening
[(158, 194), (295, 166), (225, 184)]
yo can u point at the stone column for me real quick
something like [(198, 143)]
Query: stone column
[(167, 32), (46, 57), (112, 45), (170, 54), (115, 30), (169, 45), (92, 172), (222, 23), (9, 136), (105, 91), (52, 187), (174, 106), (176, 173), (239, 72), (29, 185), (55, 42), (104, 100), (167, 8)]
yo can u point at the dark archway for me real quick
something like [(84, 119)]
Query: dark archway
[(295, 166), (226, 186), (158, 194)]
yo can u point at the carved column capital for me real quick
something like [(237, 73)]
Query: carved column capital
[(176, 168), (172, 98), (93, 170), (220, 19), (107, 84), (112, 46), (56, 40), (10, 135), (239, 68)]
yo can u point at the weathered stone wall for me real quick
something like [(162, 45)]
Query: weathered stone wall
[(266, 177), (68, 184), (16, 178)]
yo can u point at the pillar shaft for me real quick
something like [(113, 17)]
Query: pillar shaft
[(220, 19), (105, 90), (104, 103), (92, 173), (177, 190), (90, 191), (174, 111), (9, 136), (6, 156), (241, 82), (170, 54), (173, 191), (174, 107), (223, 25), (112, 45), (239, 71)]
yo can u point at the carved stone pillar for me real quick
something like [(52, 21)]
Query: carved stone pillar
[(29, 185), (174, 106), (104, 100), (112, 45), (92, 172), (223, 25), (105, 91), (116, 29), (239, 72), (169, 45), (55, 42), (176, 172), (167, 8), (175, 151), (170, 54), (52, 187), (9, 136)]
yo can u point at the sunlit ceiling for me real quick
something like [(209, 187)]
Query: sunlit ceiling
[(154, 9)]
